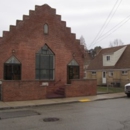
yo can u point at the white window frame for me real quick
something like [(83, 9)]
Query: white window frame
[(108, 58), (111, 73), (46, 28), (124, 72), (93, 72)]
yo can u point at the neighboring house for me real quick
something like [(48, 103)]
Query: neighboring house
[(111, 66), (40, 58)]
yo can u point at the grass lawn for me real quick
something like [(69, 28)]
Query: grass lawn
[(105, 89)]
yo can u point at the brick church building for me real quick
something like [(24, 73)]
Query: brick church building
[(40, 58)]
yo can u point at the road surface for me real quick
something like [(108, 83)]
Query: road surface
[(113, 114)]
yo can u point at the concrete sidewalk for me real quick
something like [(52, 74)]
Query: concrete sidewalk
[(22, 104)]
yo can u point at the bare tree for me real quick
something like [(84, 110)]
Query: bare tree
[(116, 42), (82, 42)]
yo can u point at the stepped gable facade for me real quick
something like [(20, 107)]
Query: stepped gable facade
[(41, 58)]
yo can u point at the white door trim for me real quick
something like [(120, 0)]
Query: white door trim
[(104, 77)]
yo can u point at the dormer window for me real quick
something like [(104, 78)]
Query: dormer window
[(46, 29), (108, 58)]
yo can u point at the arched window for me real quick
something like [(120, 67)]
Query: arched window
[(73, 63), (73, 71), (45, 64), (12, 69), (46, 29)]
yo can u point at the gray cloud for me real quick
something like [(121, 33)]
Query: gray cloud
[(85, 17)]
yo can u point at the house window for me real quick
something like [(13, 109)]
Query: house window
[(111, 74), (12, 69), (124, 72), (107, 58), (45, 64), (46, 29), (93, 73)]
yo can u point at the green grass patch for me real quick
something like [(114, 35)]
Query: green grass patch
[(105, 89)]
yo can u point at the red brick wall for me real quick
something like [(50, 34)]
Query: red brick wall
[(27, 38), (22, 90), (53, 86), (81, 88), (32, 90)]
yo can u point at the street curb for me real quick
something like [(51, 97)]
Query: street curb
[(78, 101), (29, 106), (109, 98)]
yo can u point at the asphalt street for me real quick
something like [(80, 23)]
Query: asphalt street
[(112, 114)]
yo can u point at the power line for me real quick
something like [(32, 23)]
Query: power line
[(114, 29), (110, 18), (104, 23)]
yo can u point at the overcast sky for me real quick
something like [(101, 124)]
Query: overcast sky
[(98, 21)]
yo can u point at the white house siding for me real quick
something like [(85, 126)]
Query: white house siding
[(114, 57)]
